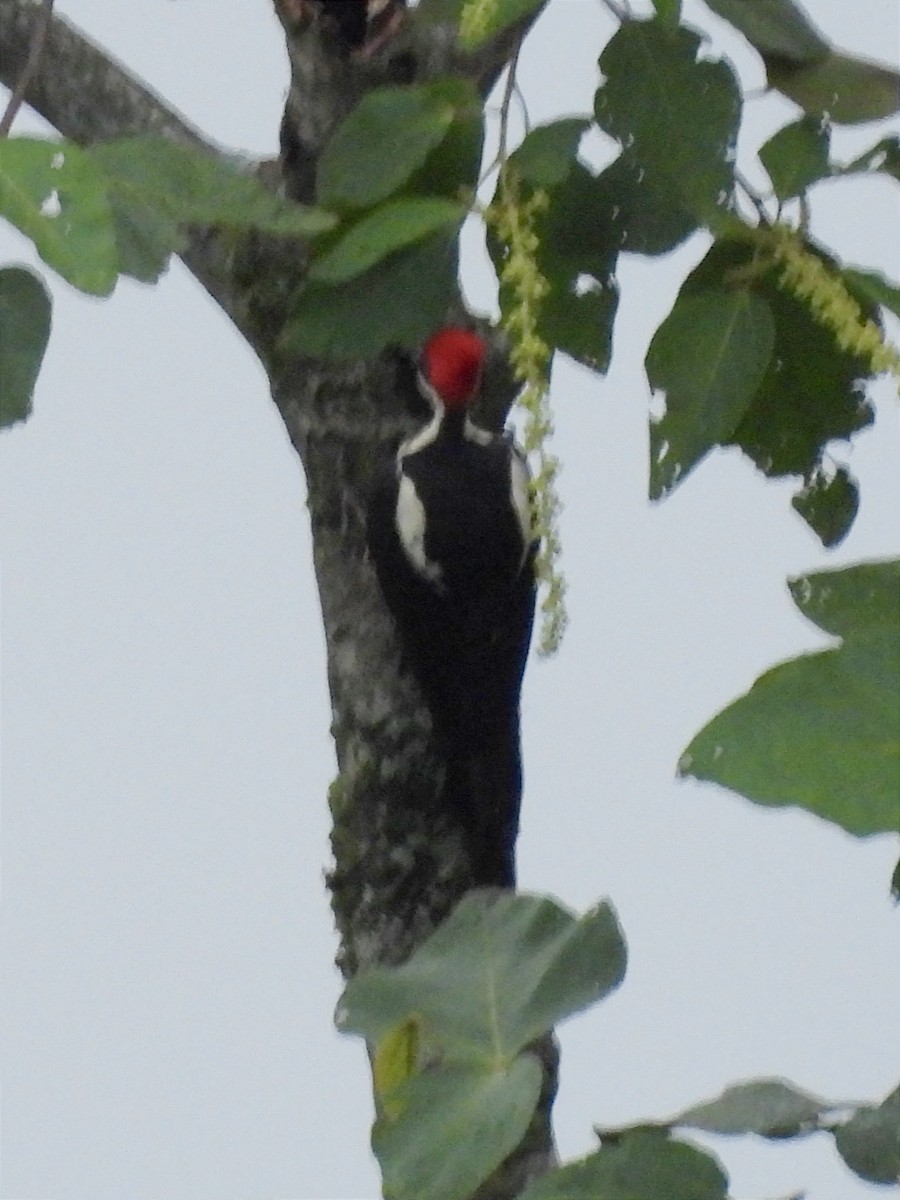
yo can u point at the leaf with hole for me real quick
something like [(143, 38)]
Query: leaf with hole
[(677, 116), (56, 196)]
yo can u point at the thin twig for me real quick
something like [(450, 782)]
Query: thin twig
[(753, 196), (509, 90), (17, 97), (621, 14)]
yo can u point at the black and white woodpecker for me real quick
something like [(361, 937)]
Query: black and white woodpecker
[(450, 534)]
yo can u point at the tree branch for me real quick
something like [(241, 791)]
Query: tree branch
[(89, 98)]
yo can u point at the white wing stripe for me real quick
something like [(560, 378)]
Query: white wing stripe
[(410, 518)]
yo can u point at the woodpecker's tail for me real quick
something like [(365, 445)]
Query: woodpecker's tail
[(485, 789)]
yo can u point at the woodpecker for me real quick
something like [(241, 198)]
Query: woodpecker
[(450, 535)]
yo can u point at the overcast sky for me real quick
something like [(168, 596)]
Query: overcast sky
[(167, 940)]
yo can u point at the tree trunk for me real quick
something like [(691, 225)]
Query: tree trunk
[(400, 864)]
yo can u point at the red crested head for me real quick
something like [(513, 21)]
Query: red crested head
[(451, 363)]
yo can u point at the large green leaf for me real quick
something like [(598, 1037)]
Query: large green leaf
[(845, 89), (771, 1108), (55, 194), (677, 117), (390, 227), (191, 186), (869, 1142), (810, 395), (708, 358), (639, 1165), (399, 302), (24, 331), (378, 147), (822, 731), (797, 157), (456, 1125), (501, 970), (774, 27)]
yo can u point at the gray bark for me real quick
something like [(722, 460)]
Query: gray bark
[(400, 864)]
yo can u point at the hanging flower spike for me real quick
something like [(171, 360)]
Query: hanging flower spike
[(512, 219), (808, 278)]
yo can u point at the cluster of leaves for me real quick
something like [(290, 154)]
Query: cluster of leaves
[(114, 209), (457, 1086)]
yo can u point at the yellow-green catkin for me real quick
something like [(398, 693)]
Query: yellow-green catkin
[(807, 277), (513, 221), (475, 20)]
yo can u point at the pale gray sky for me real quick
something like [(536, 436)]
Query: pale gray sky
[(167, 940)]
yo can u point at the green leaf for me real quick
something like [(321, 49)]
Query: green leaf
[(822, 731), (873, 287), (640, 1165), (847, 90), (548, 152), (884, 156), (811, 393), (454, 165), (501, 970), (708, 357), (771, 1108), (774, 27), (399, 302), (24, 331), (828, 502), (796, 157), (390, 227), (378, 147), (499, 15), (677, 118), (457, 1125), (869, 1142), (189, 185), (53, 192)]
